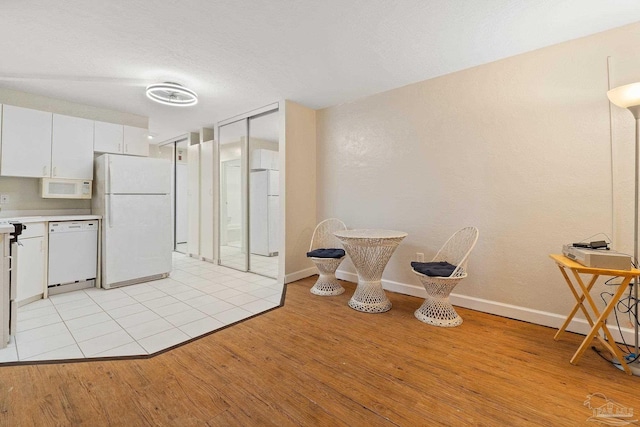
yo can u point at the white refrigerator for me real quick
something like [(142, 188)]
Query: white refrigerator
[(132, 194), (264, 207)]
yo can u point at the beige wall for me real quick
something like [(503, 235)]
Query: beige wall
[(299, 150), (519, 148), (24, 199), (24, 193)]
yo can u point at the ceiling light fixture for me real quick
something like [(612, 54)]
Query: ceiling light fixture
[(169, 93)]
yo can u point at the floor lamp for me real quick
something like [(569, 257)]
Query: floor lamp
[(628, 96)]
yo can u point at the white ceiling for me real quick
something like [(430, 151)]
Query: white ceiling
[(239, 55)]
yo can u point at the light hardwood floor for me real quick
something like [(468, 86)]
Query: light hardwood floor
[(316, 362)]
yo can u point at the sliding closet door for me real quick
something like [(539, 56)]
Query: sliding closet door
[(233, 195), (264, 200), (249, 200)]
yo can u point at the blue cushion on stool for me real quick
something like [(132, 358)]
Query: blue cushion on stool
[(326, 253), (438, 269)]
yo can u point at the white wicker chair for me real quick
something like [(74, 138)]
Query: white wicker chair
[(323, 238), (436, 309)]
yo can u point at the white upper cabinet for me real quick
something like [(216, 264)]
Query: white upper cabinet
[(107, 138), (264, 159), (72, 148), (26, 142), (39, 144), (119, 139), (135, 141)]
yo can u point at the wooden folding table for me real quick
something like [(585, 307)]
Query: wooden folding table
[(582, 292)]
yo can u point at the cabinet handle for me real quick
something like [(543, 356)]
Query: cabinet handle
[(10, 262), (119, 149), (54, 170)]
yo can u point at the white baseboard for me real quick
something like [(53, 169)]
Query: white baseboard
[(301, 274), (544, 318)]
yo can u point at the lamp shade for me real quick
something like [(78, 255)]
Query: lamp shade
[(627, 96)]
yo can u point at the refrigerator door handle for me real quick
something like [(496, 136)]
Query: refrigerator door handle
[(109, 212), (107, 185)]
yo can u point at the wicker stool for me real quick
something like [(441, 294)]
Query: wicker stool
[(323, 237), (436, 309), (327, 284)]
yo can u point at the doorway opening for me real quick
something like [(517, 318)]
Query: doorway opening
[(177, 152)]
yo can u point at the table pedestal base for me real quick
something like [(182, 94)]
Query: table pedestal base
[(369, 297)]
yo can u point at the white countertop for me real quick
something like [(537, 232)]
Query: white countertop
[(50, 218), (5, 227)]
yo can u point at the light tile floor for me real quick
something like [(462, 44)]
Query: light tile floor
[(197, 298), (234, 257)]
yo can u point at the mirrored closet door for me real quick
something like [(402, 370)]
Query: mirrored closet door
[(249, 193), (233, 197)]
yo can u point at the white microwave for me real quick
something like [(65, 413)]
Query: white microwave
[(59, 188)]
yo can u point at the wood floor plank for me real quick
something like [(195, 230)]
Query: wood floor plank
[(315, 361)]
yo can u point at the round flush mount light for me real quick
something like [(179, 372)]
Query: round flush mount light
[(168, 93)]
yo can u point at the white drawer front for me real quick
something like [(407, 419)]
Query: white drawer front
[(34, 229)]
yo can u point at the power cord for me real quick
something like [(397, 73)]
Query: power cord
[(625, 305), (608, 239), (599, 353)]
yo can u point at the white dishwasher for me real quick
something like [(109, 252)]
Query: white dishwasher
[(73, 255)]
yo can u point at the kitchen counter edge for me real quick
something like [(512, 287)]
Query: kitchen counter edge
[(53, 218)]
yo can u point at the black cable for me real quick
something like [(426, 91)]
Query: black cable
[(607, 282), (615, 313), (593, 347), (608, 240)]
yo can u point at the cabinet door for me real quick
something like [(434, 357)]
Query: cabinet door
[(135, 141), (107, 137), (262, 158), (30, 271), (72, 148), (26, 142), (206, 200)]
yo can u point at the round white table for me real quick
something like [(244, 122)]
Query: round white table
[(370, 251)]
